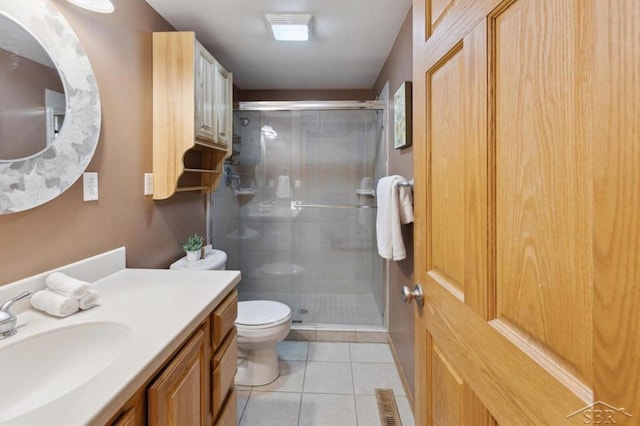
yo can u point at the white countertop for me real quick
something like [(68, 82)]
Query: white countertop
[(160, 307)]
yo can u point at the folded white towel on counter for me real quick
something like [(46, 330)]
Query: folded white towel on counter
[(395, 207), (54, 303), (89, 300), (67, 286)]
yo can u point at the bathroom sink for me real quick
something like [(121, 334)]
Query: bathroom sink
[(41, 368)]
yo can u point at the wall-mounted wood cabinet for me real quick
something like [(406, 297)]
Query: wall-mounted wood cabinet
[(192, 108)]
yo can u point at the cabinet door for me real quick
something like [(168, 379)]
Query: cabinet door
[(132, 413), (179, 396), (224, 367), (205, 119), (224, 99)]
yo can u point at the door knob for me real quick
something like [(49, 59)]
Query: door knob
[(416, 294)]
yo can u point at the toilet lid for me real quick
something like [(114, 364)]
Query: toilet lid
[(261, 312)]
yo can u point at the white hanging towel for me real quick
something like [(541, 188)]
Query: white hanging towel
[(395, 207)]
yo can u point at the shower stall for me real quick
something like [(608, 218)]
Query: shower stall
[(296, 209)]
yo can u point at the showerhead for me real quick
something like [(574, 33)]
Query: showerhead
[(244, 121), (269, 132)]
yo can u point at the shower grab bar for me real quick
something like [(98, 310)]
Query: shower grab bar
[(297, 205)]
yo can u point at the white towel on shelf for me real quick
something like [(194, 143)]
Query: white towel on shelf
[(89, 300), (54, 303), (395, 207), (67, 286), (283, 189)]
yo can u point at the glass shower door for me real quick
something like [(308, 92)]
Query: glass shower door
[(334, 155)]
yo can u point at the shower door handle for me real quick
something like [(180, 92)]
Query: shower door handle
[(416, 294)]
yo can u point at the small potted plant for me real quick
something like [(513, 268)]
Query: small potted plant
[(193, 247)]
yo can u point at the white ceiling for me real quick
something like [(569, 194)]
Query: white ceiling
[(350, 40)]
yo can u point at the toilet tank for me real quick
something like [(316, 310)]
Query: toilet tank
[(217, 260)]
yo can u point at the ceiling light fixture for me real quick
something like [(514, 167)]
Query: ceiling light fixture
[(289, 27), (100, 6)]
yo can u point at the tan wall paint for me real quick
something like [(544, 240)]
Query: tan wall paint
[(397, 69), (305, 95), (68, 229)]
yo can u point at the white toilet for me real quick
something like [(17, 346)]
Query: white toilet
[(261, 324)]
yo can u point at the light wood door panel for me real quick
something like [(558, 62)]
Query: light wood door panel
[(454, 403), (615, 137), (543, 214), (446, 206), (435, 13), (527, 160)]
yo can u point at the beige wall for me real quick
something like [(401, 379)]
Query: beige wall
[(397, 69), (68, 229)]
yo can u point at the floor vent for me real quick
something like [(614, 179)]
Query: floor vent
[(387, 407)]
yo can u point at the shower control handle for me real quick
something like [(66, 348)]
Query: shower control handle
[(416, 294)]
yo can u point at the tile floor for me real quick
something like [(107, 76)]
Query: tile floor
[(324, 383)]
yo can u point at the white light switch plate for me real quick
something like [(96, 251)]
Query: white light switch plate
[(90, 186), (148, 184)]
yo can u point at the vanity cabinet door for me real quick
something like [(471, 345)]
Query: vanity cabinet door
[(224, 367), (224, 319), (132, 413), (206, 121), (179, 395), (229, 414)]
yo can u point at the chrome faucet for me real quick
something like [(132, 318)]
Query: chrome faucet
[(7, 319)]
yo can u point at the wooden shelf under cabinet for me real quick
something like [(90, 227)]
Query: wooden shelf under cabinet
[(191, 115)]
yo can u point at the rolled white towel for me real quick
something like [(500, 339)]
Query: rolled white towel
[(67, 286), (89, 300), (54, 304)]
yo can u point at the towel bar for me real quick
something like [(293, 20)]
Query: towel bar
[(297, 205), (407, 183)]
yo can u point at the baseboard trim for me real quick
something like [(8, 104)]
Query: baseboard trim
[(403, 376)]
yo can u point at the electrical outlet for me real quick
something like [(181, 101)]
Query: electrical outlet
[(90, 186), (148, 184)]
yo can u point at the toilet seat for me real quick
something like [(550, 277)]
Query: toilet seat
[(261, 314)]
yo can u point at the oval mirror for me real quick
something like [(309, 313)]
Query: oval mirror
[(47, 139), (32, 105)]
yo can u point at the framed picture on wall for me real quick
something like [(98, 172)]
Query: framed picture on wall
[(402, 116)]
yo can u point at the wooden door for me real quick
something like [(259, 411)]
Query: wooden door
[(527, 198), (179, 396)]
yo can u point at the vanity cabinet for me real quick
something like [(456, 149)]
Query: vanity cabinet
[(192, 115), (195, 385)]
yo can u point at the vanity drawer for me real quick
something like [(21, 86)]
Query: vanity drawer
[(229, 414), (224, 319), (224, 365)]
